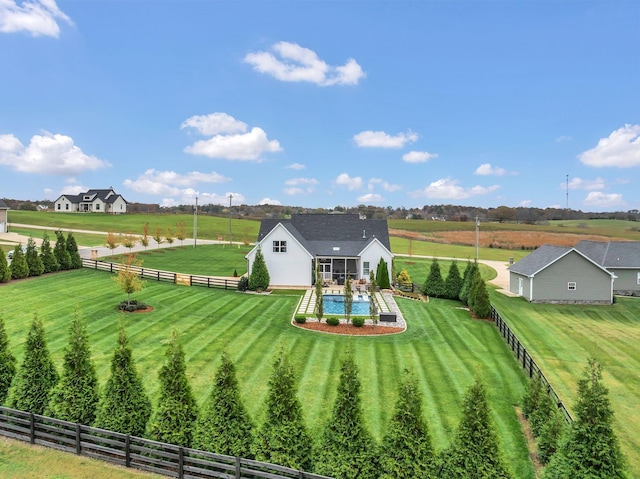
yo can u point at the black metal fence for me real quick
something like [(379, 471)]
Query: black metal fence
[(159, 275), (527, 362), (136, 452)]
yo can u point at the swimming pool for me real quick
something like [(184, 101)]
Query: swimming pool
[(334, 304)]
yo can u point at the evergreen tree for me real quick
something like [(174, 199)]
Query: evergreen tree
[(382, 275), (283, 438), (533, 390), (319, 307), (7, 363), (34, 263), (5, 270), (347, 450), (475, 450), (469, 276), (479, 298), (541, 413), (259, 277), (49, 260), (434, 285), (75, 397), (224, 426), (591, 448), (176, 411), (453, 283), (74, 255), (406, 448), (373, 310), (61, 252), (124, 406), (554, 428), (348, 298), (19, 267), (37, 374)]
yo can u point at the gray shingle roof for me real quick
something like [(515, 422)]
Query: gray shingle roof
[(102, 194), (539, 259), (3, 205), (612, 254)]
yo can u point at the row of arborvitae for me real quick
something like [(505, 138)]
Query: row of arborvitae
[(469, 288), (345, 449), (588, 447), (63, 256)]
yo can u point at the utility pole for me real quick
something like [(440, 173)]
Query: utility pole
[(195, 224), (567, 194), (230, 233), (477, 236)]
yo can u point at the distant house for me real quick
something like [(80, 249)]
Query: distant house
[(621, 258), (3, 217), (340, 244), (560, 274), (93, 201)]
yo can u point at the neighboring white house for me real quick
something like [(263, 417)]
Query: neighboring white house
[(340, 244), (3, 216), (93, 201)]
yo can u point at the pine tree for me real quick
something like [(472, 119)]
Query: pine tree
[(259, 277), (224, 426), (347, 450), (475, 450), (176, 411), (19, 267), (75, 397), (348, 298), (373, 310), (5, 270), (319, 307), (49, 260), (591, 449), (124, 406), (533, 390), (74, 255), (469, 276), (382, 275), (34, 263), (283, 438), (549, 439), (479, 298), (406, 448), (453, 283), (7, 363), (434, 285), (61, 252), (37, 374)]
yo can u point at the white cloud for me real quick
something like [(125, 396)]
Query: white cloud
[(188, 197), (73, 190), (487, 170), (620, 149), (301, 181), (390, 187), (298, 186), (295, 166), (269, 201), (447, 188), (380, 139), (580, 184), (47, 154), (418, 156), (370, 198), (344, 179), (603, 200), (214, 124), (38, 17), (170, 183), (563, 138), (293, 63), (293, 190), (525, 203)]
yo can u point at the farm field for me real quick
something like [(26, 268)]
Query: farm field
[(443, 346), (561, 338)]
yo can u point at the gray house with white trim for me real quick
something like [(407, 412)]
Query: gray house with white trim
[(560, 274), (340, 244), (622, 258)]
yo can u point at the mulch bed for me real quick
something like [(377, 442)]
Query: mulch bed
[(349, 329)]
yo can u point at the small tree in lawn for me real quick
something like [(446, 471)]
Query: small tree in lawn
[(7, 363), (74, 254), (124, 406), (112, 241), (404, 278), (181, 232), (129, 241), (5, 270), (224, 426), (259, 277), (19, 267), (37, 374), (406, 448), (144, 239), (348, 298), (75, 397), (346, 448), (434, 285), (479, 298), (382, 275), (373, 310), (34, 262), (319, 307), (169, 236), (49, 260), (61, 252), (283, 438), (469, 276), (127, 279), (177, 411), (157, 236), (453, 283)]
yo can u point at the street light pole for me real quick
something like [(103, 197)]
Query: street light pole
[(195, 224)]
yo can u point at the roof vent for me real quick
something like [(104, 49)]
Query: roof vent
[(364, 234), (336, 248)]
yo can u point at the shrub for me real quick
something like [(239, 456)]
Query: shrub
[(7, 363), (358, 321), (243, 284), (259, 277), (300, 319), (434, 285), (19, 267), (382, 275), (333, 321), (5, 270)]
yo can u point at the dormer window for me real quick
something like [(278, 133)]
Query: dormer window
[(86, 198)]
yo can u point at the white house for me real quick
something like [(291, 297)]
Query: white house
[(3, 216), (94, 201), (340, 244)]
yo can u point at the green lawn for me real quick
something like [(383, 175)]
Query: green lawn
[(82, 239), (429, 248), (419, 268), (561, 338), (443, 346)]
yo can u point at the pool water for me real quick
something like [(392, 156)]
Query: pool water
[(334, 304)]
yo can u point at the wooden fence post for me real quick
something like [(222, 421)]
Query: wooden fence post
[(127, 450), (237, 467), (180, 462), (78, 451), (32, 428)]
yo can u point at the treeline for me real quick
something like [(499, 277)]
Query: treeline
[(28, 261), (344, 449)]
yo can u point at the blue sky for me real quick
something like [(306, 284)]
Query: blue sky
[(323, 103)]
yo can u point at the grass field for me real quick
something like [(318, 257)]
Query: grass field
[(561, 338), (443, 346)]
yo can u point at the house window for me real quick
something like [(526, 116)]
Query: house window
[(66, 207), (59, 206), (97, 206), (572, 286), (279, 246), (638, 278), (365, 269)]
